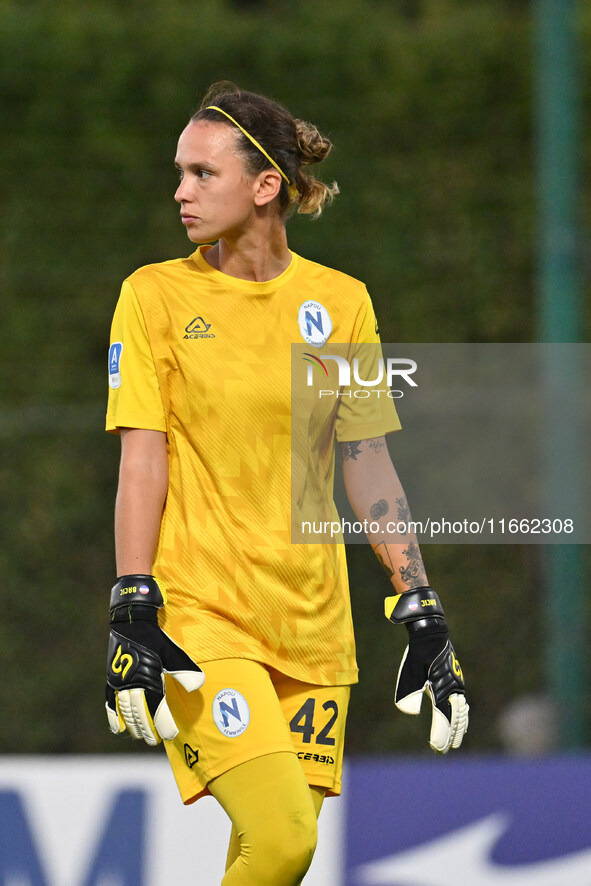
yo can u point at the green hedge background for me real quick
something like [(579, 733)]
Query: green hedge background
[(429, 104)]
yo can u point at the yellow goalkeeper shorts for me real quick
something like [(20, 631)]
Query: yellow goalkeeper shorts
[(245, 710)]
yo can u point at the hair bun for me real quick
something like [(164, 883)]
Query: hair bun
[(312, 145)]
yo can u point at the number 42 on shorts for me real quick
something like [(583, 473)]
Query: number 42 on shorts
[(303, 722)]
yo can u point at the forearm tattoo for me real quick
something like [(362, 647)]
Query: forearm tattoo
[(403, 510), (414, 570), (384, 558), (379, 509), (411, 572)]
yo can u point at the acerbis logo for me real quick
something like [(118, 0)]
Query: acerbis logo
[(231, 713), (191, 756), (317, 758), (198, 328)]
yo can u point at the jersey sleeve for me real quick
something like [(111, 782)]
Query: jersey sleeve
[(366, 411), (134, 394)]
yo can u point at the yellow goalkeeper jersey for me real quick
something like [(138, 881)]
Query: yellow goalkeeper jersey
[(210, 359)]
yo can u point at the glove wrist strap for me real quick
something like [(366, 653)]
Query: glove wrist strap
[(425, 626), (420, 604), (135, 591), (127, 614)]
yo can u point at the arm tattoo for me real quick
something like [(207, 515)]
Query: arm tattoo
[(384, 558), (378, 509), (414, 570), (403, 509), (350, 450), (377, 443)]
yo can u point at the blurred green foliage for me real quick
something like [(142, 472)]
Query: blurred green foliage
[(429, 105)]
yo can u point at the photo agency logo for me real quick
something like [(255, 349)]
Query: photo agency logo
[(349, 382)]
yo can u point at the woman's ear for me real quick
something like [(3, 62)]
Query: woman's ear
[(267, 186)]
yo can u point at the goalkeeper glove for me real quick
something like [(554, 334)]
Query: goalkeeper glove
[(139, 656), (429, 665)]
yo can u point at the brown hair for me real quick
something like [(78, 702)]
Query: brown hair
[(293, 144)]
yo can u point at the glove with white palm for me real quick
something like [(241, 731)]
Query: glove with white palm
[(139, 656), (429, 666)]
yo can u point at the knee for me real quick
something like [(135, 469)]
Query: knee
[(299, 847), (286, 850)]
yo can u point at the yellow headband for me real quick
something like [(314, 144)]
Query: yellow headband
[(292, 189)]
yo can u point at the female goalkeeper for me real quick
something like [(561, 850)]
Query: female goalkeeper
[(228, 640)]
